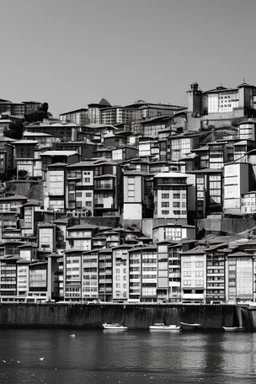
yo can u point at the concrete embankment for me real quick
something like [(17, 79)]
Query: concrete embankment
[(135, 316)]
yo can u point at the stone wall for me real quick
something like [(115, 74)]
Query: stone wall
[(31, 189), (226, 225), (135, 316)]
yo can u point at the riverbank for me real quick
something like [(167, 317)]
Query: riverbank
[(134, 316)]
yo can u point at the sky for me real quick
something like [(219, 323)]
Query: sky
[(73, 52)]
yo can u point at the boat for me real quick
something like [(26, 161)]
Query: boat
[(164, 327), (114, 326), (189, 327), (233, 329)]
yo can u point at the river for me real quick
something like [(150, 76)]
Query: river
[(97, 356)]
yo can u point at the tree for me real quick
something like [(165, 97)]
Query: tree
[(22, 174)]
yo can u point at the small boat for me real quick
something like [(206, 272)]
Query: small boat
[(114, 326), (233, 329), (189, 327), (163, 327)]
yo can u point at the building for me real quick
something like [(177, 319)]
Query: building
[(170, 195), (77, 116), (80, 237), (193, 276), (237, 181), (94, 111), (248, 203), (55, 188), (120, 260), (222, 103), (173, 232), (239, 277)]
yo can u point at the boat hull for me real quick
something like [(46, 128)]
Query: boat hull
[(164, 328), (189, 327), (233, 329), (114, 327)]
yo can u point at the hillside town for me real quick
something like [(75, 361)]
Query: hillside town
[(142, 203)]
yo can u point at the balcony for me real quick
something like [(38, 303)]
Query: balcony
[(103, 186)]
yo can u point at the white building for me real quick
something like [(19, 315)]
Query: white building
[(236, 183), (170, 198)]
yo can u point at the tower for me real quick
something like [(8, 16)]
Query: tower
[(194, 99)]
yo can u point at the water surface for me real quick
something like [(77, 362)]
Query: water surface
[(126, 357)]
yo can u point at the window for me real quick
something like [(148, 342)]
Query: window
[(187, 264), (176, 204), (165, 204), (199, 264), (176, 195), (165, 195), (165, 212)]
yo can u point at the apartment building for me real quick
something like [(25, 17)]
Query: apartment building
[(143, 274), (46, 238), (105, 274), (72, 274), (55, 187), (32, 214), (170, 195), (133, 188), (248, 203), (112, 115), (12, 203), (120, 277), (173, 232), (90, 275), (80, 187), (62, 131), (8, 273), (123, 153), (182, 144), (80, 237), (247, 129), (219, 154), (77, 116), (193, 275), (239, 277), (94, 110), (215, 264), (38, 281), (209, 191), (24, 157), (6, 157), (237, 181)]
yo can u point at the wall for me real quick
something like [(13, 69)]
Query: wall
[(28, 188), (132, 315), (226, 225)]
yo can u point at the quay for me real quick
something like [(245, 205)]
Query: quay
[(134, 316)]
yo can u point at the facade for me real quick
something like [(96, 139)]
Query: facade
[(193, 276), (170, 195), (77, 116), (236, 182)]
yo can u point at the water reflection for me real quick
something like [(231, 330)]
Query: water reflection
[(129, 357)]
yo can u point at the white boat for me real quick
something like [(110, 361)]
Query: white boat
[(233, 329), (189, 326), (163, 327), (114, 326)]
